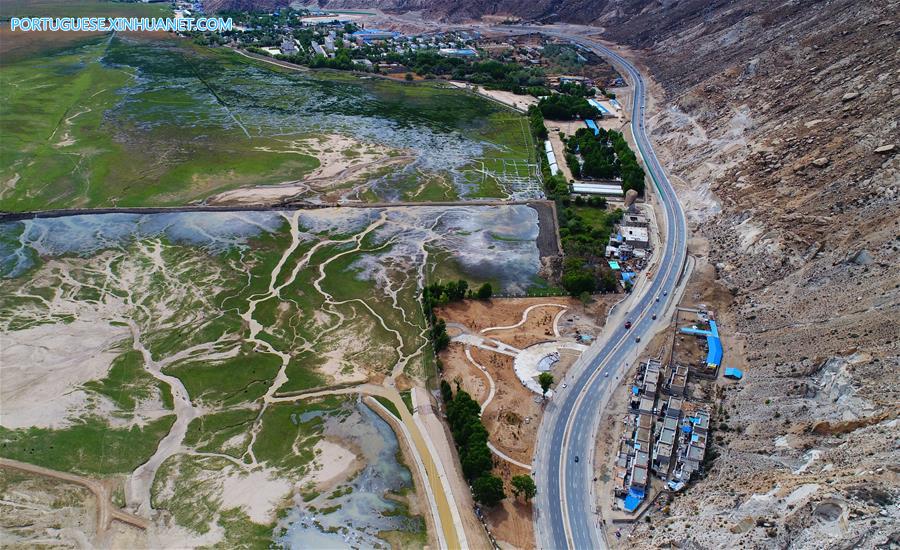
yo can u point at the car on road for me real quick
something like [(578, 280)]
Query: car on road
[(627, 324), (606, 374), (565, 385), (637, 338), (665, 292), (654, 316), (576, 458), (657, 298)]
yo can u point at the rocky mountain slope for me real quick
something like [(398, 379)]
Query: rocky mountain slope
[(780, 120)]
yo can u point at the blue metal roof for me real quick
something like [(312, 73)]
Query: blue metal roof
[(592, 125), (633, 499), (714, 355), (732, 372), (596, 104)]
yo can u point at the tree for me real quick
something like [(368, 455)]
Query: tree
[(477, 462), (488, 490), (485, 291), (578, 280), (408, 77), (446, 391), (545, 379), (524, 485), (439, 335)]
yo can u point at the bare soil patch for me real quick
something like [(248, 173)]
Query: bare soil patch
[(511, 521), (513, 413), (513, 416), (343, 161)]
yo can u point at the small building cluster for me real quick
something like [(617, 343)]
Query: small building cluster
[(312, 33), (668, 427), (188, 8), (665, 435), (628, 249)]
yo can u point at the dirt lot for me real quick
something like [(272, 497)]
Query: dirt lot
[(511, 521), (501, 312), (513, 416)]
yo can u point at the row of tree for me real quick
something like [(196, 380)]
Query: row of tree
[(489, 73), (470, 436), (439, 294), (536, 123), (632, 173)]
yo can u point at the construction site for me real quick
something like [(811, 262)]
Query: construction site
[(497, 352)]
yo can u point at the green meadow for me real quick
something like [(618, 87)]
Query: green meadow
[(135, 121)]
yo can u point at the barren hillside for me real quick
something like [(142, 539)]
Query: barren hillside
[(782, 126)]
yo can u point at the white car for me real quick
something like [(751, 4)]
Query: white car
[(606, 374)]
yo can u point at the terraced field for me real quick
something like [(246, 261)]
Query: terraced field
[(171, 353)]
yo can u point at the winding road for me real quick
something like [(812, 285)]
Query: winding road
[(566, 513)]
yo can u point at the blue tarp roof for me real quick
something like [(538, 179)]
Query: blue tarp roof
[(634, 499), (592, 125), (627, 276), (635, 390), (631, 503), (732, 372), (714, 356), (613, 264)]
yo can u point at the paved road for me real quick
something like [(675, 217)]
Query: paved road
[(566, 507)]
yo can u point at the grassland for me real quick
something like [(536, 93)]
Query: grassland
[(140, 120), (127, 383), (90, 446), (597, 219)]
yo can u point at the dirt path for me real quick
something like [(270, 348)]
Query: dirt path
[(106, 512), (524, 316), (490, 379)]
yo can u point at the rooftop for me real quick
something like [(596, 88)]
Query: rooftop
[(638, 234), (639, 476)]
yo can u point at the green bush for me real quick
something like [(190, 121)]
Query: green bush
[(489, 490)]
